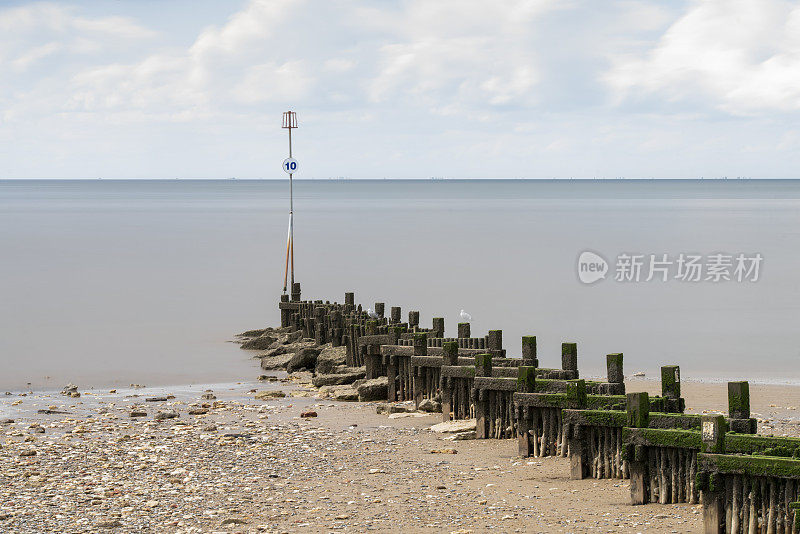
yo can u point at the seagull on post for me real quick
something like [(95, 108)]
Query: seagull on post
[(465, 317)]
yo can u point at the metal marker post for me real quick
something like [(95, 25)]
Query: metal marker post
[(290, 167)]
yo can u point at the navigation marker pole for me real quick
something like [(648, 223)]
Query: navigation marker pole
[(290, 167)]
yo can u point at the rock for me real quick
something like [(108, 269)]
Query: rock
[(309, 413), (29, 452), (330, 358), (255, 333), (208, 396), (372, 390), (345, 394), (270, 378), (163, 415), (339, 379), (387, 407), (303, 359), (198, 411), (6, 421), (269, 394), (210, 428), (70, 390), (109, 524), (156, 399), (444, 451), (293, 337), (259, 343), (460, 436), (138, 413), (450, 427), (278, 361), (430, 405), (234, 521)]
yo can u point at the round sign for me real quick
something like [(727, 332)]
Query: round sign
[(290, 165)]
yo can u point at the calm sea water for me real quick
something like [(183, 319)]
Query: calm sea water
[(107, 283)]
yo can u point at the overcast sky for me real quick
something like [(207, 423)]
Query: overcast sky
[(400, 89)]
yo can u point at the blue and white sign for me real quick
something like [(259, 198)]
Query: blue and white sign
[(290, 165)]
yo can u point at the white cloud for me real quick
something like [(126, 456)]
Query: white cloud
[(742, 56)]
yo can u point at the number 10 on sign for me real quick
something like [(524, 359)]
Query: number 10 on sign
[(290, 165)]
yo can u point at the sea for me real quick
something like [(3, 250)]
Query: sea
[(106, 283)]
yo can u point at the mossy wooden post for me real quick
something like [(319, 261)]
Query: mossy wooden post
[(616, 378), (437, 329), (739, 400), (349, 302), (463, 330), (413, 320), (285, 314), (529, 351), (396, 313), (296, 292), (450, 357), (569, 357), (380, 309), (671, 381), (638, 407), (526, 383), (370, 361), (739, 408), (712, 430), (579, 460), (483, 367), (495, 342)]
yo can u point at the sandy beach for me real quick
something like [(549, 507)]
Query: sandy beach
[(226, 461)]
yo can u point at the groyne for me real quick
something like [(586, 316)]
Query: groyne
[(746, 482)]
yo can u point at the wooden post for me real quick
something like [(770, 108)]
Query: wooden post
[(637, 466), (296, 292), (529, 351), (413, 320), (437, 329), (450, 349), (380, 309), (569, 357), (463, 330), (395, 314), (483, 367)]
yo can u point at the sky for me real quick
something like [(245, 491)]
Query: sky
[(400, 89)]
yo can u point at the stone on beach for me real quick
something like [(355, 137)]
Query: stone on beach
[(430, 405), (260, 343), (162, 415), (269, 394), (278, 361), (303, 359), (348, 377), (451, 427), (374, 389), (330, 358)]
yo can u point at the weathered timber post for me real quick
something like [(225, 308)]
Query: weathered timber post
[(616, 378), (372, 361), (576, 438), (296, 292), (320, 334), (413, 320), (495, 343), (438, 327), (526, 383), (395, 314), (739, 408), (450, 357), (483, 367), (336, 328), (569, 357), (638, 407), (463, 330), (380, 309), (529, 351), (671, 388), (420, 349), (285, 314), (349, 302), (713, 487)]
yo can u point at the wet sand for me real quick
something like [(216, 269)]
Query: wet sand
[(251, 465)]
